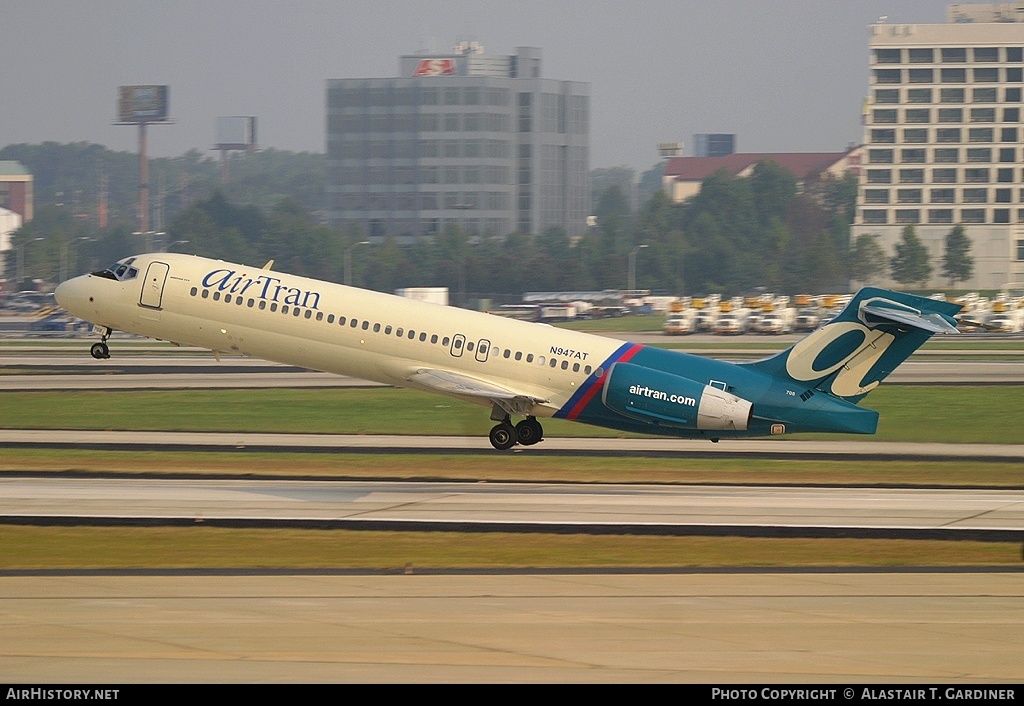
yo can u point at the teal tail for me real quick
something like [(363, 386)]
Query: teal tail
[(850, 355)]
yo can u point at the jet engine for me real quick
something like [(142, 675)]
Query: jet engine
[(663, 398)]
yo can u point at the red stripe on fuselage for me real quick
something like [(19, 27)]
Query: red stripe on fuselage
[(599, 383)]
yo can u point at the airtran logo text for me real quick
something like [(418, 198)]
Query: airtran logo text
[(261, 287), (645, 391)]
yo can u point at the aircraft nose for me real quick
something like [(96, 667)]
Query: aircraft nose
[(71, 295)]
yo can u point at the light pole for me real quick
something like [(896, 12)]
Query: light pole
[(348, 260), (21, 260), (631, 284), (65, 261)]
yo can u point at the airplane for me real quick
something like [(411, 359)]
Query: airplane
[(517, 368)]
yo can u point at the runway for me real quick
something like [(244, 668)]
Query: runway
[(735, 627), (711, 628), (983, 515)]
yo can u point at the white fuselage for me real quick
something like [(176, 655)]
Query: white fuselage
[(318, 325)]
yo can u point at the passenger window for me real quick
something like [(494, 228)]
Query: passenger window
[(412, 334), (444, 341), (387, 330), (565, 365), (376, 328), (227, 298), (263, 305), (366, 325), (519, 355), (586, 369), (192, 292), (341, 320), (273, 307), (319, 316), (355, 323), (296, 311), (469, 346), (423, 336), (541, 360), (309, 313), (433, 339), (206, 294), (529, 357), (399, 332), (252, 303), (575, 367), (284, 309), (330, 318), (554, 363), (239, 301), (216, 296)]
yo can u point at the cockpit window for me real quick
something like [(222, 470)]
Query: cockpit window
[(120, 270)]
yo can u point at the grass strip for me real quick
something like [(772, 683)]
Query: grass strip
[(965, 414), (212, 547)]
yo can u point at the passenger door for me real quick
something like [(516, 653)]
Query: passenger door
[(153, 285)]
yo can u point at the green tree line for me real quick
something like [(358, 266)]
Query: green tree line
[(738, 235)]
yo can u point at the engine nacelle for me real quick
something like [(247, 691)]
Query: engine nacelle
[(654, 396)]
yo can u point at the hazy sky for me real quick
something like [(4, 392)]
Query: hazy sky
[(785, 75)]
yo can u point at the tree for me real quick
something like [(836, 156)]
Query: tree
[(910, 263), (867, 260), (957, 264)]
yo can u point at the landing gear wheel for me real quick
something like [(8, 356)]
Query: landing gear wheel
[(503, 436), (529, 431), (100, 351)]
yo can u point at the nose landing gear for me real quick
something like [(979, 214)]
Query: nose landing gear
[(101, 351), (504, 436)]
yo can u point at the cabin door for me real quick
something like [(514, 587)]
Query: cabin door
[(153, 285)]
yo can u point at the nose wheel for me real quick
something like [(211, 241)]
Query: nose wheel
[(101, 351)]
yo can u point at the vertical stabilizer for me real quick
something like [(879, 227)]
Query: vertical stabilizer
[(850, 355)]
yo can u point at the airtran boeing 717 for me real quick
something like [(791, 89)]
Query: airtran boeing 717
[(515, 368)]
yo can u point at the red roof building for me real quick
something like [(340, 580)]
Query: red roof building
[(683, 176)]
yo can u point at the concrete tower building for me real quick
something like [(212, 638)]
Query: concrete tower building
[(943, 138), (461, 138)]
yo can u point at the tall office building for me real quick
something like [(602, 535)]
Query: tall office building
[(944, 136), (714, 145), (477, 140)]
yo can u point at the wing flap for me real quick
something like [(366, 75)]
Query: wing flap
[(450, 383)]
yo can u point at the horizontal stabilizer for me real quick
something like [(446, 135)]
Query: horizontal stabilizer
[(933, 322)]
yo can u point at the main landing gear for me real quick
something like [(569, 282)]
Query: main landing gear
[(504, 436), (101, 351)]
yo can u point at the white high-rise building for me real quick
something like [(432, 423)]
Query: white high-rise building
[(943, 139)]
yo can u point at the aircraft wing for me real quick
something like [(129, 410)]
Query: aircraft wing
[(450, 383)]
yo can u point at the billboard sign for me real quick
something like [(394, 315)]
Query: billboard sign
[(142, 104), (435, 67), (236, 132)]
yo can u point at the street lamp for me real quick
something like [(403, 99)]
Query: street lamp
[(21, 260), (348, 259), (631, 284), (65, 261)]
